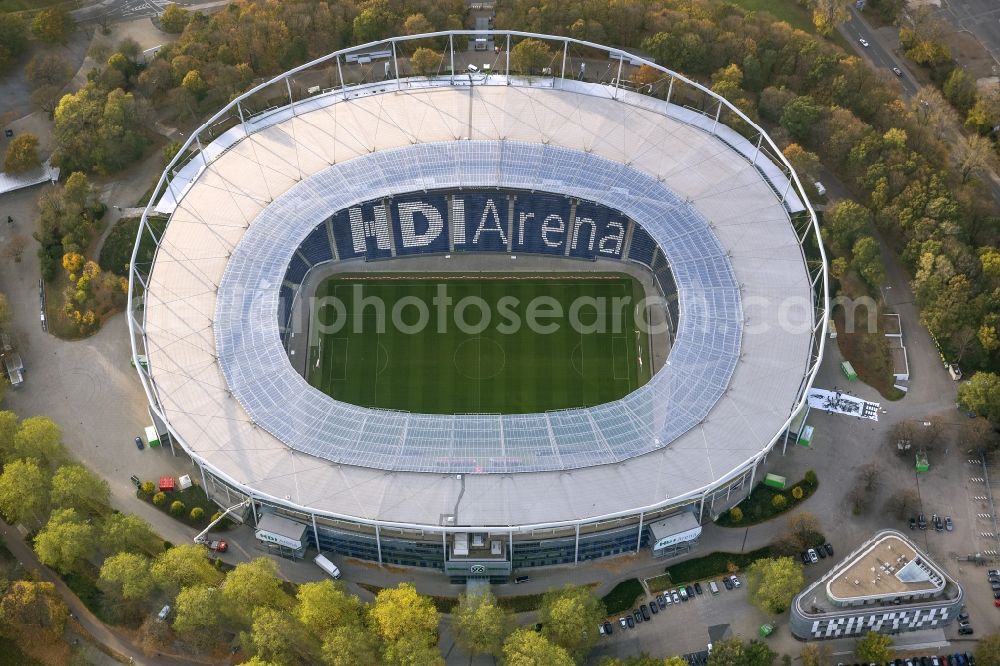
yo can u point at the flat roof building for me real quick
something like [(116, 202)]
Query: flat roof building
[(886, 585)]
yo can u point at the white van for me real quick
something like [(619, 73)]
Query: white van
[(713, 587), (327, 566)]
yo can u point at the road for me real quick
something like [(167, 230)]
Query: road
[(127, 10)]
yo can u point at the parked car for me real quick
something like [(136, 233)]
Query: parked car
[(653, 608), (135, 481), (600, 629), (630, 621), (697, 588), (994, 572), (675, 596), (138, 443), (966, 630), (828, 548), (813, 557), (219, 546), (864, 42), (948, 525), (804, 556), (661, 601), (164, 612), (963, 616), (736, 581), (667, 598), (922, 522), (821, 552), (608, 629), (637, 615), (728, 583), (690, 590), (897, 71), (684, 594), (939, 524), (622, 622)]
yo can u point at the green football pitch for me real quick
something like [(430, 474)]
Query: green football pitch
[(593, 353)]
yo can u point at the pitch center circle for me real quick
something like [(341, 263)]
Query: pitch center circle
[(479, 358)]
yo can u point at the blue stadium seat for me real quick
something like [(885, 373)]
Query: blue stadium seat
[(642, 247), (487, 210), (420, 224), (541, 223), (597, 231), (296, 270), (363, 231), (285, 296), (316, 247)]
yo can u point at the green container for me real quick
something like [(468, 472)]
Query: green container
[(775, 481), (848, 370), (765, 630), (805, 436)]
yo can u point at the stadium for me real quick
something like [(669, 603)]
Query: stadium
[(357, 182)]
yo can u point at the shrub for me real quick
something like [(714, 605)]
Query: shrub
[(779, 502), (147, 488), (797, 492), (159, 499), (810, 479), (197, 513), (177, 507), (216, 516), (736, 514)]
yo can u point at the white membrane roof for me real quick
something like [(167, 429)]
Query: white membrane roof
[(211, 304)]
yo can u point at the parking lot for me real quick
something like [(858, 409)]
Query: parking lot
[(683, 627)]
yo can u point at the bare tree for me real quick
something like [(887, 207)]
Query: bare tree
[(869, 475), (930, 433), (902, 502), (978, 433), (974, 154), (900, 437), (803, 528), (858, 498)]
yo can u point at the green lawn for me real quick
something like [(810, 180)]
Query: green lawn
[(713, 564), (444, 367), (784, 10), (622, 597)]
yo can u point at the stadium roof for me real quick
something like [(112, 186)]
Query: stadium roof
[(211, 336)]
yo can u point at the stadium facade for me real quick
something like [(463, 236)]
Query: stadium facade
[(324, 164)]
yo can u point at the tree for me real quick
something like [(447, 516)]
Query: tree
[(22, 154), (816, 654), (797, 493), (52, 25), (772, 582), (128, 532), (843, 224), (197, 514), (425, 61), (779, 502), (174, 18), (412, 650), (176, 508), (874, 648), (804, 162), (47, 68), (66, 542), (323, 606), (727, 652), (988, 650), (13, 39), (799, 116), (901, 436), (525, 647), (857, 498), (569, 617), (128, 574), (645, 76), (757, 653), (40, 438), (200, 615), (417, 24), (981, 394), (24, 492), (828, 14), (346, 646), (479, 624), (183, 566), (902, 502), (399, 612), (530, 56), (978, 433), (159, 499), (736, 514), (98, 130), (254, 584), (974, 153), (8, 419), (76, 487), (803, 528), (277, 638), (195, 85), (31, 609), (960, 89), (868, 261), (374, 22)]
